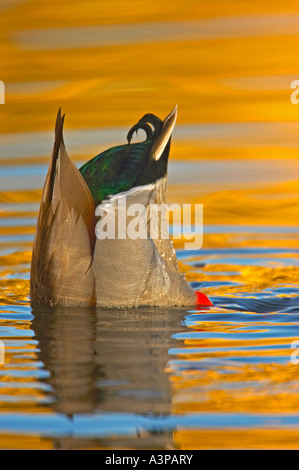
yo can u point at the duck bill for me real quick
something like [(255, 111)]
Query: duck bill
[(165, 134)]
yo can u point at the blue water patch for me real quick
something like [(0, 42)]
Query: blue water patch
[(18, 222), (122, 424), (16, 238)]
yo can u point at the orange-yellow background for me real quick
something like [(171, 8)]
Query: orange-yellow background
[(236, 80)]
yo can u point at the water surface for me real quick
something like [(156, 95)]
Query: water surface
[(151, 378)]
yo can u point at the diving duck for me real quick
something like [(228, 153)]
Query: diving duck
[(71, 266)]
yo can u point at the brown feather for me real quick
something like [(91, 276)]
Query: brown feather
[(61, 268)]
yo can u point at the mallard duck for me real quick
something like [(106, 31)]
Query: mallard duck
[(71, 266)]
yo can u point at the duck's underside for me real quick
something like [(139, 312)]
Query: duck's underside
[(71, 267)]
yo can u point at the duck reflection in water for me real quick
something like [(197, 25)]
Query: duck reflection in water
[(105, 360)]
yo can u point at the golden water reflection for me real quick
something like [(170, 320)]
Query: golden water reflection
[(229, 66)]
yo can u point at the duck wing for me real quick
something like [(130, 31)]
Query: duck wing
[(61, 268)]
